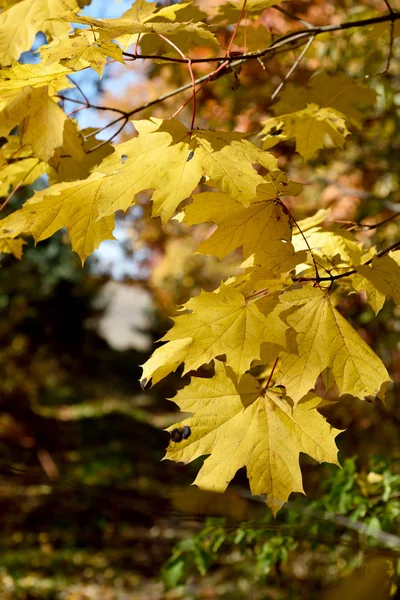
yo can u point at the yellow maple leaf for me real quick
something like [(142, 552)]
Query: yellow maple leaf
[(10, 246), (335, 91), (252, 228), (18, 76), (224, 323), (332, 248), (241, 425), (17, 164), (159, 158), (375, 298), (20, 23), (72, 160), (227, 163), (163, 361), (78, 51), (325, 339), (384, 277), (43, 120), (165, 157), (124, 28), (309, 127), (269, 269), (73, 207)]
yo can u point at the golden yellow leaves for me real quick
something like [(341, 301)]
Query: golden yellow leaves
[(225, 323), (71, 207), (327, 91), (241, 425), (147, 18), (80, 51), (253, 228), (309, 127), (380, 279), (165, 157), (168, 159), (316, 113), (20, 23), (43, 120), (324, 339), (14, 247)]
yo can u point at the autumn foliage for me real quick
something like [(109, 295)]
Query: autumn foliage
[(274, 327)]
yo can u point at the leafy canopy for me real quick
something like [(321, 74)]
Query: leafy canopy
[(273, 330)]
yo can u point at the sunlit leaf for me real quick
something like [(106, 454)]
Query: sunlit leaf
[(241, 425)]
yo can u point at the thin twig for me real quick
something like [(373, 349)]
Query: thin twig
[(264, 291), (390, 9), (228, 51), (90, 105), (294, 67), (229, 63), (11, 194), (390, 55), (270, 375), (287, 39), (226, 64), (287, 211), (375, 225), (72, 112), (189, 64), (210, 77), (333, 278), (110, 139), (78, 87)]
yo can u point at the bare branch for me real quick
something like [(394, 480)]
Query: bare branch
[(110, 139), (294, 67), (228, 51), (229, 63), (189, 64), (333, 278)]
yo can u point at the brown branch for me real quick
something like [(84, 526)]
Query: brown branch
[(287, 39), (333, 278), (228, 51), (189, 64), (229, 63), (78, 87), (287, 211), (110, 139), (89, 104), (294, 66)]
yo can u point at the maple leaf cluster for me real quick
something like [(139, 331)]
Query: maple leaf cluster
[(272, 329)]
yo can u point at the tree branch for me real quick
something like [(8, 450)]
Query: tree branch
[(333, 278), (294, 67), (229, 63), (287, 39)]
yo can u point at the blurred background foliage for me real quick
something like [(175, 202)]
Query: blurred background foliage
[(88, 511)]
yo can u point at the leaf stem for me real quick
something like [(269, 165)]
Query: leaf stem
[(189, 64), (228, 63), (294, 66), (11, 194), (285, 208), (270, 375), (333, 278), (228, 51)]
